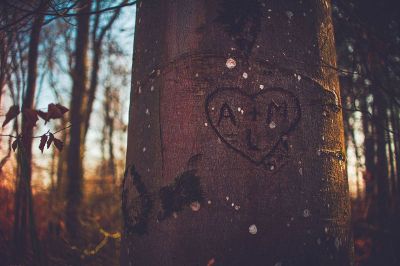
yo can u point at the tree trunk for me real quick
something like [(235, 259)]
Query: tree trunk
[(396, 129), (97, 42), (109, 122), (24, 220), (381, 168), (76, 147), (61, 167), (235, 143)]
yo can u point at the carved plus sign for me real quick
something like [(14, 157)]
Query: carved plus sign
[(254, 113)]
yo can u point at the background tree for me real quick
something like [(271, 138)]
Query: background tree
[(368, 43)]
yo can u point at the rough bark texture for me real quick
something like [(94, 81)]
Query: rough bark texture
[(235, 165), (76, 147)]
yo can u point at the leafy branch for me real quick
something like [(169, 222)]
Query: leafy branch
[(31, 116)]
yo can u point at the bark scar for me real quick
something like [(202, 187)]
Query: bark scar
[(136, 202), (182, 192)]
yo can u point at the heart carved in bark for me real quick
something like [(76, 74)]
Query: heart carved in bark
[(252, 124)]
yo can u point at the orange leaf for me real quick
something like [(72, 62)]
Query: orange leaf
[(12, 113)]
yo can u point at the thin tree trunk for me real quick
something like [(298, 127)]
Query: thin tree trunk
[(76, 145), (61, 167), (109, 121), (396, 140), (235, 143), (369, 151), (392, 175), (24, 223), (97, 41), (381, 168)]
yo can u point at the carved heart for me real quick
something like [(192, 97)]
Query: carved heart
[(252, 125)]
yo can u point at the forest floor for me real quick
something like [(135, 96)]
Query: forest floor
[(102, 221)]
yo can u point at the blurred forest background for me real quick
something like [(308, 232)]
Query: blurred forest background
[(56, 209)]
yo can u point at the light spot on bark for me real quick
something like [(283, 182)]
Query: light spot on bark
[(337, 243), (253, 229), (195, 206), (306, 213), (289, 14), (230, 63)]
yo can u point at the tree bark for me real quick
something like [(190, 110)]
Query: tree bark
[(76, 147), (235, 142), (24, 220)]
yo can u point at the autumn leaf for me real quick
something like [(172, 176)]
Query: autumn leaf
[(58, 143), (43, 115), (63, 109), (43, 140), (53, 111), (12, 113), (14, 145), (50, 140)]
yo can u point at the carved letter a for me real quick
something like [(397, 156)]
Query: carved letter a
[(226, 112)]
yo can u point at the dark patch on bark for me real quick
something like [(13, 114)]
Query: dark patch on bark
[(135, 208), (242, 21), (182, 192), (336, 154)]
